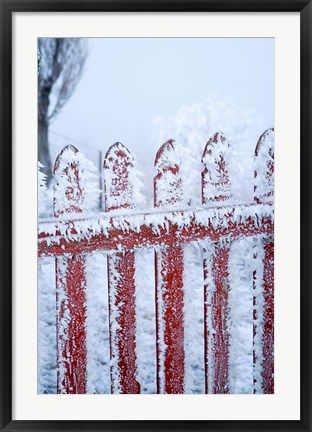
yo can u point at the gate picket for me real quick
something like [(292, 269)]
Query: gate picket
[(118, 188), (216, 187), (263, 327), (70, 283), (169, 280)]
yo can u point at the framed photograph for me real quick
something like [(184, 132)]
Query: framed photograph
[(155, 207)]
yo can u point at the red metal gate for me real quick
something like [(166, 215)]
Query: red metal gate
[(119, 234)]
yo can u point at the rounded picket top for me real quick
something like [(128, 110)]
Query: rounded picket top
[(266, 142), (168, 181), (167, 158), (118, 178), (117, 153), (64, 157), (217, 156), (216, 146), (67, 196), (264, 167), (76, 182)]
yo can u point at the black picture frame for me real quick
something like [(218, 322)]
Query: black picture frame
[(8, 7)]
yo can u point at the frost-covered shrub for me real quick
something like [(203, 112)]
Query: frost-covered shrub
[(45, 195), (41, 190)]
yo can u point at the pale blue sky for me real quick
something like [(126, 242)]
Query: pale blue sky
[(127, 82)]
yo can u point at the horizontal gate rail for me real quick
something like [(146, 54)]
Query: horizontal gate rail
[(142, 230)]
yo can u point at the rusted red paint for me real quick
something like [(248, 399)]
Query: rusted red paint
[(49, 245), (216, 332), (70, 331), (121, 291), (219, 315), (268, 325), (70, 297), (255, 318), (172, 316), (124, 334), (169, 285)]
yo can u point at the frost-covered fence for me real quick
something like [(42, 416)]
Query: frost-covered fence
[(122, 230)]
